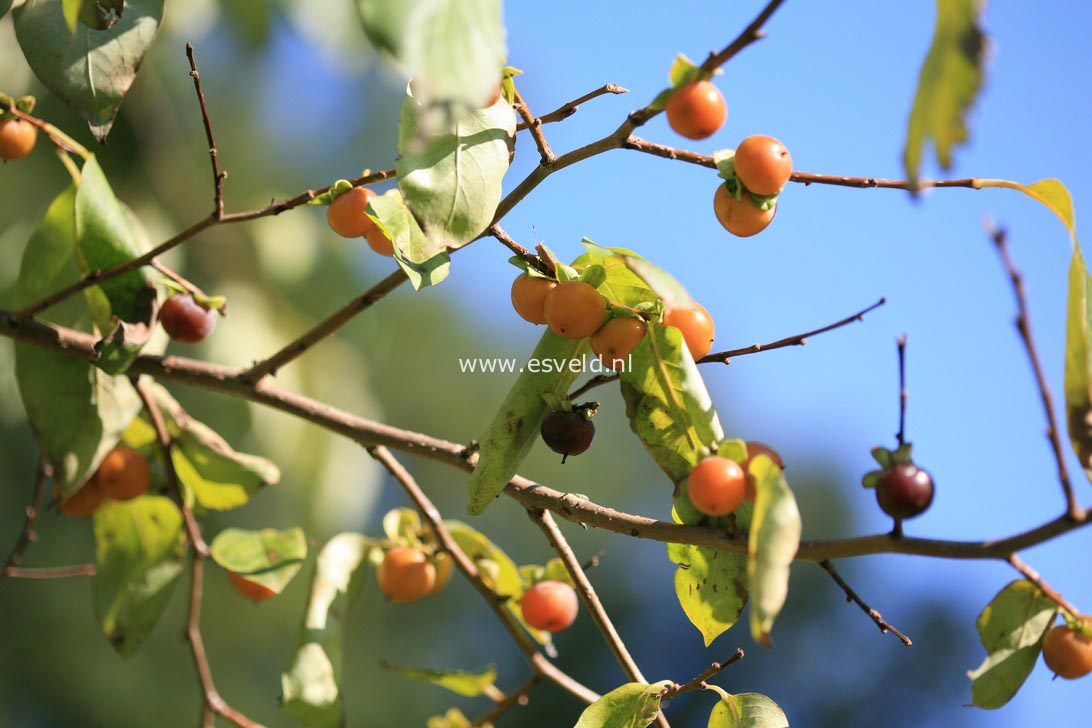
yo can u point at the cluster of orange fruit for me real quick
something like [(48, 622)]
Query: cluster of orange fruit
[(123, 475)]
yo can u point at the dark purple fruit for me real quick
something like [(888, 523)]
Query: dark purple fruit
[(567, 433), (904, 491), (184, 319)]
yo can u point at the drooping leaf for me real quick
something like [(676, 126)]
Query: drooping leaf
[(89, 70), (453, 718), (424, 262), (747, 710), (948, 86), (267, 557), (1078, 360), (1048, 192), (452, 181), (774, 540), (455, 49), (1011, 627), (310, 688), (515, 427), (140, 545), (634, 705), (76, 411), (711, 585), (462, 682)]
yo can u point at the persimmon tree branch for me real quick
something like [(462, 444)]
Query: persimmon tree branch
[(49, 572), (28, 535), (79, 345), (428, 511), (519, 696), (214, 702), (570, 107), (1023, 326), (218, 175), (904, 395), (698, 681), (535, 127), (537, 262), (851, 596), (1033, 576)]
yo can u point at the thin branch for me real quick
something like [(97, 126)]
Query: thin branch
[(570, 107), (428, 511), (28, 535), (213, 377), (698, 682), (64, 143), (725, 357), (1033, 576), (539, 263), (218, 175), (903, 394), (49, 572), (535, 126), (166, 272), (851, 596), (326, 328), (519, 696), (1023, 325)]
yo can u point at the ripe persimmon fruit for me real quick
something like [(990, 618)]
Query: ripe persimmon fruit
[(186, 320), (549, 605), (696, 326), (17, 138), (252, 590), (124, 474), (575, 310), (529, 296), (346, 215), (84, 502), (763, 164), (696, 110), (1067, 653), (406, 575), (616, 338), (742, 217), (716, 485)]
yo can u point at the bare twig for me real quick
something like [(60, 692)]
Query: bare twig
[(1033, 576), (724, 357), (428, 511), (218, 175), (570, 107), (324, 329), (79, 345), (166, 272), (49, 572), (1023, 325), (698, 682), (28, 535), (851, 596), (539, 263), (535, 126), (903, 394), (509, 701)]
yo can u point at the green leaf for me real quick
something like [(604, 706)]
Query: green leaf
[(711, 585), (5, 6), (1011, 627), (948, 85), (622, 286), (498, 572), (452, 181), (469, 684), (402, 525), (89, 70), (140, 545), (72, 13), (1078, 361), (774, 540), (683, 71), (747, 710), (662, 283), (514, 428), (124, 305), (267, 557), (634, 705), (454, 718), (310, 687), (1048, 192), (77, 412), (424, 263), (454, 48)]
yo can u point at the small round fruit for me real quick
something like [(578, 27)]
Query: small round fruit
[(186, 320), (567, 433), (346, 215), (124, 474), (575, 310), (529, 297), (754, 449), (84, 502), (1067, 653), (17, 138), (615, 340), (696, 326), (904, 491), (763, 165), (549, 605), (716, 486), (406, 575), (443, 564), (252, 590), (740, 217), (379, 242), (696, 110)]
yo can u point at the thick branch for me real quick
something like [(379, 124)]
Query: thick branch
[(851, 596), (218, 175)]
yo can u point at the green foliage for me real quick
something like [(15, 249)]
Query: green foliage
[(461, 682), (515, 427), (310, 688), (660, 282), (424, 262), (773, 542), (554, 570), (1049, 192), (950, 80), (5, 6), (452, 181), (683, 71), (90, 70), (1078, 360), (453, 718), (454, 48), (634, 705), (77, 412), (621, 285), (140, 545), (1011, 627), (267, 557), (746, 710)]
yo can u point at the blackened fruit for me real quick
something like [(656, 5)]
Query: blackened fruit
[(567, 433), (186, 320), (904, 491)]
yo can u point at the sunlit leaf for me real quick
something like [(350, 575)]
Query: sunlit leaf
[(747, 710), (461, 682), (1049, 192), (1078, 361), (424, 262), (774, 540), (267, 557), (633, 705), (453, 718)]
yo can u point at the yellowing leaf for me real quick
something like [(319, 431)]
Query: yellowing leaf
[(774, 540), (1049, 192)]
